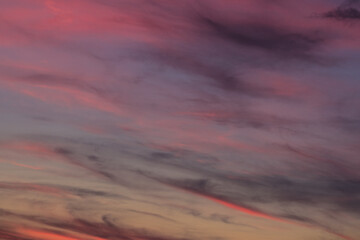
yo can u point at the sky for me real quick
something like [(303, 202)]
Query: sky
[(179, 120)]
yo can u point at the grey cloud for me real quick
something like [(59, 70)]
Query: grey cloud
[(345, 12)]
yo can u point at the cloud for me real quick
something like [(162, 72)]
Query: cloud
[(152, 215), (343, 14), (196, 93), (347, 11), (274, 189), (58, 192), (79, 229), (55, 154), (262, 36), (9, 235)]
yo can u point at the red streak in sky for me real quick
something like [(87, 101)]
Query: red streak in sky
[(245, 210), (234, 206), (259, 214), (21, 165), (44, 235), (25, 166), (51, 236), (264, 215)]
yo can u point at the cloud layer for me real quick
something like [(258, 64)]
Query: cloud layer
[(179, 120)]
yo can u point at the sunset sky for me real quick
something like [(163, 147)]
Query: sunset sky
[(179, 120)]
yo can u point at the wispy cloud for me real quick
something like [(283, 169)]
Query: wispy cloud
[(143, 109)]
